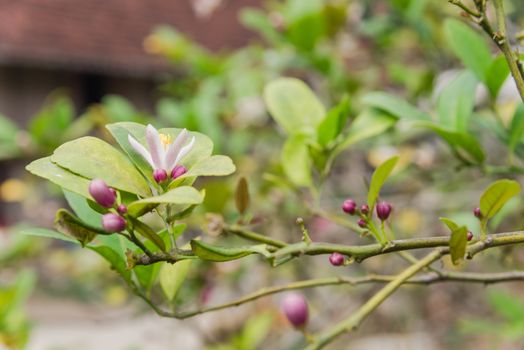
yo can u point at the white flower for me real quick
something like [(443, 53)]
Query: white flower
[(163, 154)]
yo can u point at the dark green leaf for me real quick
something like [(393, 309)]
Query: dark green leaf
[(496, 74), (70, 225), (333, 123), (147, 232), (464, 144), (516, 129)]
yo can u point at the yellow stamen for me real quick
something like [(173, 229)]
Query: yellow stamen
[(166, 140)]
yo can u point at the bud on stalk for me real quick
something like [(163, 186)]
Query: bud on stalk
[(101, 193)]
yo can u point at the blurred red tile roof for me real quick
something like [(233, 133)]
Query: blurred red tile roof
[(107, 35)]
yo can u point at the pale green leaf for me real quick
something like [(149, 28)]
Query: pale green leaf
[(178, 195), (455, 103), (294, 106), (43, 167), (210, 252), (496, 195), (93, 158), (458, 243), (296, 161), (516, 129), (496, 75), (172, 276), (378, 179)]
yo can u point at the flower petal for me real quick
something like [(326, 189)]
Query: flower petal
[(137, 146), (174, 149), (185, 150), (155, 147)]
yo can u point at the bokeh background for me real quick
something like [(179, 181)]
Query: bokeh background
[(68, 67)]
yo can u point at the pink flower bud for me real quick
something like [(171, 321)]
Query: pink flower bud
[(349, 206), (294, 306), (364, 209), (178, 171), (122, 209), (470, 235), (362, 223), (477, 212), (113, 223), (101, 193), (160, 175), (336, 259), (384, 210)]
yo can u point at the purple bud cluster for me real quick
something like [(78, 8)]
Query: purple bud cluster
[(383, 210), (295, 307), (106, 197)]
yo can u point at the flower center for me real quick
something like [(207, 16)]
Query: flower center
[(166, 140)]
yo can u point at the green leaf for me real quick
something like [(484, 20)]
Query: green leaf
[(469, 46), (369, 123), (202, 148), (43, 232), (49, 125), (333, 123), (294, 106), (457, 244), (455, 103), (216, 165), (465, 145), (306, 23), (506, 305), (43, 167), (210, 252), (516, 129), (378, 179), (93, 158), (242, 196), (82, 209), (117, 262), (496, 75), (172, 276), (496, 195), (147, 275), (178, 195), (452, 225), (394, 106), (148, 233), (255, 331), (70, 225), (296, 161)]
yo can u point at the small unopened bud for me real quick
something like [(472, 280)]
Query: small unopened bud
[(336, 259), (477, 212), (294, 306), (122, 209), (178, 171), (362, 223), (113, 223), (470, 235), (364, 209), (160, 175), (101, 193), (383, 210), (349, 206)]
